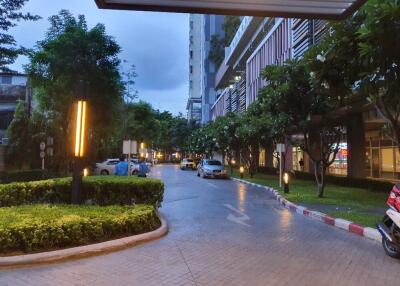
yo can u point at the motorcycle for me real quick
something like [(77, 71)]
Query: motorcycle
[(390, 225)]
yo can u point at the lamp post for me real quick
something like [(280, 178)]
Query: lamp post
[(286, 183), (79, 144), (241, 171)]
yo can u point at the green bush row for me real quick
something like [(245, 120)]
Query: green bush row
[(368, 184), (45, 227), (102, 190), (26, 176)]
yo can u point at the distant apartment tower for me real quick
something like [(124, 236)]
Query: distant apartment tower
[(194, 101), (211, 26), (202, 71)]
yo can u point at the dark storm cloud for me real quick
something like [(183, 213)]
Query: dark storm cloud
[(156, 43)]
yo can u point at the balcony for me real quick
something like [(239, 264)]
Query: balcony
[(250, 33), (11, 93)]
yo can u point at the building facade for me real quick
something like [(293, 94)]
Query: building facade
[(365, 150), (13, 88), (194, 101), (202, 70)]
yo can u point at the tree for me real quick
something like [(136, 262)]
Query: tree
[(225, 132), (72, 52), (217, 48), (379, 52), (218, 44), (140, 122), (298, 104), (230, 26), (252, 133), (9, 16), (130, 76), (20, 136)]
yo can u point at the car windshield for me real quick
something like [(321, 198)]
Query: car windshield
[(213, 163)]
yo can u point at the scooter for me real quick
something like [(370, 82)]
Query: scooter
[(390, 225)]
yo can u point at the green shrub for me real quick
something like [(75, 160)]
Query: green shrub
[(103, 190), (26, 176), (35, 227), (369, 184)]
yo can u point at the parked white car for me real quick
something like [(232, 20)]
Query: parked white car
[(108, 166)]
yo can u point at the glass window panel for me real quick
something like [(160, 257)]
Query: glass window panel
[(387, 160)]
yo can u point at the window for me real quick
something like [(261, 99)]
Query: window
[(191, 25), (191, 69), (387, 162), (191, 40), (6, 79), (191, 84), (191, 54)]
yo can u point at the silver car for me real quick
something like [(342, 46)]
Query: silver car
[(211, 168)]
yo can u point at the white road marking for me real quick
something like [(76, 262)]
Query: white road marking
[(213, 185), (241, 219)]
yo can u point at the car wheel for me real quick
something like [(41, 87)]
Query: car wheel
[(198, 174), (134, 173), (104, 173)]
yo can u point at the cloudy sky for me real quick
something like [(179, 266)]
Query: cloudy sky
[(157, 43)]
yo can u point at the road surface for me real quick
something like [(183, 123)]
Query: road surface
[(226, 233)]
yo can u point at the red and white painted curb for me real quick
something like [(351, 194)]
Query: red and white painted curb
[(349, 226)]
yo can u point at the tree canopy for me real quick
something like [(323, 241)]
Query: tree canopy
[(10, 15)]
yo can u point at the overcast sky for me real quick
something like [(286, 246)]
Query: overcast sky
[(157, 43)]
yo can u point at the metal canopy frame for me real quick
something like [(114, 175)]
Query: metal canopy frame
[(310, 9)]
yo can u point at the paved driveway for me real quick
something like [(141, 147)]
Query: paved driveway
[(226, 233)]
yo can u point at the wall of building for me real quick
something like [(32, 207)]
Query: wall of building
[(13, 87), (194, 101), (211, 25), (275, 49)]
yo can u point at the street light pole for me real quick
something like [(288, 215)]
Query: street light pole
[(79, 144)]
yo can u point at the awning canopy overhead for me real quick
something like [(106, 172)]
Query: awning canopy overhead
[(322, 9)]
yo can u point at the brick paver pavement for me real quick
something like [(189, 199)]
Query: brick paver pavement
[(226, 233)]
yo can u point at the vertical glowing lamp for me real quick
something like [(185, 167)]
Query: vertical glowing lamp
[(80, 130), (79, 144)]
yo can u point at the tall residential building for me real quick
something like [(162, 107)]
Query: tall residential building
[(211, 26), (194, 101), (202, 71)]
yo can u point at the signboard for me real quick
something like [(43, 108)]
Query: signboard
[(321, 9), (129, 147), (280, 148), (42, 146)]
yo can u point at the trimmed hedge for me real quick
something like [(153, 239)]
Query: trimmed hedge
[(26, 176), (45, 227), (369, 184), (102, 190)]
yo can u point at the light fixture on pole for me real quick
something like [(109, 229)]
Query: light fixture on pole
[(286, 179), (241, 171), (79, 144)]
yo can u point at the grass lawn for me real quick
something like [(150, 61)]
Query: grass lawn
[(357, 205)]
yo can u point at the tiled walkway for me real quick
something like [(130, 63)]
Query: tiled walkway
[(226, 233)]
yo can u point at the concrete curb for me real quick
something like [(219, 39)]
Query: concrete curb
[(84, 251), (349, 226)]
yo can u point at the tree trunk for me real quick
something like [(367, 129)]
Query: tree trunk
[(320, 172)]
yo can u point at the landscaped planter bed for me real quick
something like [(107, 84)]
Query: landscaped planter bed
[(42, 227), (37, 216), (101, 190)]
